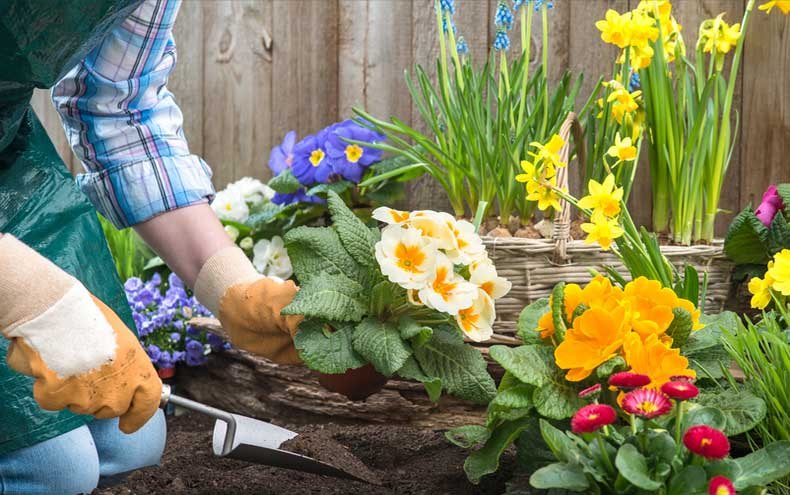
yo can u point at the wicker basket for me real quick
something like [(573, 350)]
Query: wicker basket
[(535, 266)]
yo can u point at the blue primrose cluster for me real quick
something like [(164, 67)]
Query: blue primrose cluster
[(324, 157), (160, 313)]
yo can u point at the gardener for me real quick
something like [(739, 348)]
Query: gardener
[(70, 352)]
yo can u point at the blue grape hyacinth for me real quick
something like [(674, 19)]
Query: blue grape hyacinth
[(503, 16), (501, 41)]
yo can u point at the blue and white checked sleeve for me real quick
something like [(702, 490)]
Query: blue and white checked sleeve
[(125, 126)]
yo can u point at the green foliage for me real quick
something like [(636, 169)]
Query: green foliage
[(285, 183), (353, 316), (129, 252), (747, 239), (560, 475), (632, 466), (680, 328), (742, 410), (764, 466), (528, 320), (486, 459)]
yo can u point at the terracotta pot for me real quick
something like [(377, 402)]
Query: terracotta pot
[(165, 373), (356, 384)]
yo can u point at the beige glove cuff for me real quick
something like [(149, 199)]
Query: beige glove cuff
[(226, 268), (29, 283)]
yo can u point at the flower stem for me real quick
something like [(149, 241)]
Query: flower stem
[(604, 453), (678, 425)]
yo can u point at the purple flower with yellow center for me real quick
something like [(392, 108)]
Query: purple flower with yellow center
[(311, 164), (350, 160), (300, 196), (282, 155)]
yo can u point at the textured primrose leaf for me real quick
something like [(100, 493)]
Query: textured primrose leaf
[(557, 400), (778, 235), (381, 344), (691, 479), (356, 237), (486, 459), (764, 466), (411, 370), (528, 320), (560, 443), (742, 410), (633, 467), (609, 367), (704, 415), (315, 251), (559, 475), (327, 351), (558, 308), (510, 404), (746, 240), (784, 191), (285, 183), (329, 297), (680, 328), (411, 330), (335, 187), (467, 436), (460, 367), (532, 364)]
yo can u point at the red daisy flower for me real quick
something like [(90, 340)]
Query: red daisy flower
[(590, 391), (646, 403), (682, 378), (592, 417), (707, 442), (719, 485), (626, 379), (680, 390)]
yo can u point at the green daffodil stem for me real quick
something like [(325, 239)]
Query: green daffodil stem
[(544, 12), (526, 39)]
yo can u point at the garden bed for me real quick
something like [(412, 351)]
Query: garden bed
[(408, 460)]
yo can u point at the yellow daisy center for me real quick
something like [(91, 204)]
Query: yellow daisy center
[(648, 406)]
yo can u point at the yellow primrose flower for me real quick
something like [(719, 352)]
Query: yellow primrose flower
[(622, 149), (783, 5), (615, 28), (544, 194), (602, 230), (779, 272), (604, 198), (760, 289), (655, 358)]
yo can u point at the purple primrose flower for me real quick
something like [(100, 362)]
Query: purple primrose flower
[(282, 155), (350, 160), (311, 164)]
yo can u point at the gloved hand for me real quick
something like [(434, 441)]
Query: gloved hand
[(248, 305), (80, 353)]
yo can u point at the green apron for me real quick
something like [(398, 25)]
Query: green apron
[(39, 202)]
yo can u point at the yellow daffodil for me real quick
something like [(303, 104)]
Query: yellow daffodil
[(477, 320), (622, 149), (604, 197), (655, 358), (624, 103), (783, 5), (643, 29), (602, 230), (651, 7), (779, 272), (530, 172), (641, 57), (716, 35), (446, 291), (548, 155), (544, 194), (615, 28), (406, 257), (760, 289)]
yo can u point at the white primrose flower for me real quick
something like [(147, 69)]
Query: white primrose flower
[(252, 190), (405, 256), (437, 225), (476, 321), (469, 245), (271, 258), (232, 232), (483, 274), (447, 291), (390, 216), (229, 204)]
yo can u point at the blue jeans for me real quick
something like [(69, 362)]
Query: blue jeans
[(98, 454)]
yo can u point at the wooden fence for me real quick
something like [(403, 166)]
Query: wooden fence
[(251, 70)]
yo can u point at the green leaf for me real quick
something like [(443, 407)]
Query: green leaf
[(285, 183), (528, 320), (338, 187), (560, 444), (486, 459), (611, 366), (411, 330), (532, 453), (560, 475), (680, 328), (633, 467), (411, 370), (468, 436), (558, 309), (778, 235), (764, 466), (154, 262), (557, 400), (690, 479), (324, 350), (511, 404), (357, 238), (315, 251), (266, 214), (661, 445), (701, 415), (461, 367), (533, 364), (746, 240), (742, 410), (784, 191), (381, 344), (329, 297)]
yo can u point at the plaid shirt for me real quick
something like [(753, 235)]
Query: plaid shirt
[(125, 126)]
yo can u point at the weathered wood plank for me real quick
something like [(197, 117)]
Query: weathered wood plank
[(187, 80), (42, 105), (237, 103), (765, 143)]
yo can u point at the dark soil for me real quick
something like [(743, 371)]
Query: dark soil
[(407, 460), (322, 447)]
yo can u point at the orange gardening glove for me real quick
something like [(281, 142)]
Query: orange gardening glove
[(82, 356), (248, 305)]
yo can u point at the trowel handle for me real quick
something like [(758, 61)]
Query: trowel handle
[(226, 417)]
